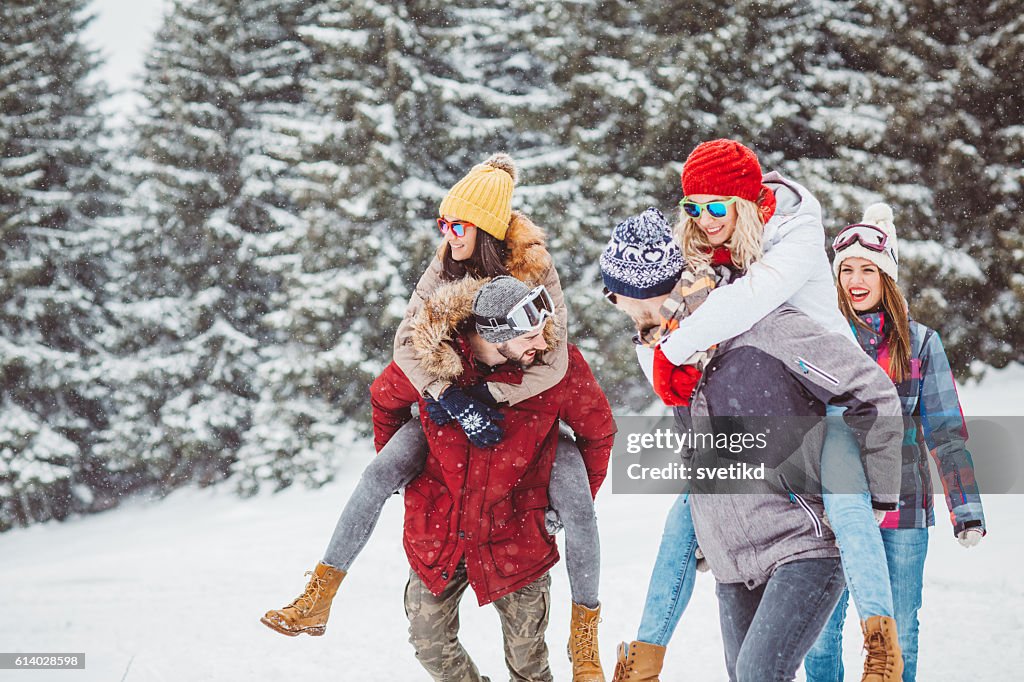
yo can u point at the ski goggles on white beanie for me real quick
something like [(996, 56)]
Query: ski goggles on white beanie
[(505, 308), (873, 239)]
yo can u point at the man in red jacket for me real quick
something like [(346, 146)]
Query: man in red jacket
[(475, 516)]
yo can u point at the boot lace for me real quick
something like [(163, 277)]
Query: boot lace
[(877, 662), (584, 641), (304, 602)]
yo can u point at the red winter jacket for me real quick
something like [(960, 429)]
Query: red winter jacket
[(487, 504)]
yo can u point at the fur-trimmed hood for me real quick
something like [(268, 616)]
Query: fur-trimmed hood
[(528, 257), (434, 328)]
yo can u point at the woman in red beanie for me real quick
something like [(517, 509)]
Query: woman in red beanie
[(770, 228)]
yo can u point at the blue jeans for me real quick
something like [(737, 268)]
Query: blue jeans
[(672, 579), (905, 552), (767, 631), (852, 519)]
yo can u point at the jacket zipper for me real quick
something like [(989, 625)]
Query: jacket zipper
[(796, 499), (807, 368), (960, 485)]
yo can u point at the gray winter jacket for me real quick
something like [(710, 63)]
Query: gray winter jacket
[(788, 365)]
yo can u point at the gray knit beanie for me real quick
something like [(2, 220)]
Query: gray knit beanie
[(495, 299)]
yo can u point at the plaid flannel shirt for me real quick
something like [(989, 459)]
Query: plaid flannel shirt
[(934, 426)]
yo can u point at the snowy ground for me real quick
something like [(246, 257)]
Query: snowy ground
[(173, 590)]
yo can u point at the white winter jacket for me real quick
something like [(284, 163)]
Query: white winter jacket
[(795, 269)]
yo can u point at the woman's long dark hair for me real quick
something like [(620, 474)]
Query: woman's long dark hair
[(897, 332), (488, 260)]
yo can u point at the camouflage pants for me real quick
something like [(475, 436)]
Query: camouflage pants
[(434, 630)]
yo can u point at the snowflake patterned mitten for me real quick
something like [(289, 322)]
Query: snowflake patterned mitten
[(476, 418)]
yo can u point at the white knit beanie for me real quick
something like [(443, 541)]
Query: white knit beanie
[(879, 215)]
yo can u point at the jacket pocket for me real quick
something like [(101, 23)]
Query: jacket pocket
[(803, 504), (506, 510), (808, 368), (519, 539), (426, 526)]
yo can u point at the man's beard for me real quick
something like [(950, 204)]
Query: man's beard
[(521, 359)]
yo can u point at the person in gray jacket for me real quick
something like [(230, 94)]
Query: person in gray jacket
[(773, 556), (775, 561)]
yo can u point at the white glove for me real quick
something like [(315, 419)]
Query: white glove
[(969, 538), (702, 563), (879, 515), (552, 522)]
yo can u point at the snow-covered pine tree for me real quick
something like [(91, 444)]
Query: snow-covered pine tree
[(1000, 51), (357, 189), (55, 191), (976, 168), (808, 85), (215, 147), (902, 61)]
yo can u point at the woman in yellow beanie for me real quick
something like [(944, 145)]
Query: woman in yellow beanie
[(482, 237)]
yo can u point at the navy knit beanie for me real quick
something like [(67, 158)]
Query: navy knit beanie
[(641, 259)]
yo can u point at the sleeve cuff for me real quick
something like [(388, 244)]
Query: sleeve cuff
[(435, 389), (677, 352), (976, 524), (498, 392), (884, 506)]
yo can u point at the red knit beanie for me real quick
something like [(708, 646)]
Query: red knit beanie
[(724, 168)]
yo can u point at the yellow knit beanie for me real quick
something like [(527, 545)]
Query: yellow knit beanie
[(484, 196)]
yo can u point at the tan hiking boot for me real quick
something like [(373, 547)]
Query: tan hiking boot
[(884, 661), (583, 653), (639, 662), (308, 613)]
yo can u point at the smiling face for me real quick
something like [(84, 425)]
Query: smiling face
[(717, 230), (461, 247), (524, 349), (862, 282)]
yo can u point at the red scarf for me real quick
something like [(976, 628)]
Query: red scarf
[(721, 255), (766, 203)]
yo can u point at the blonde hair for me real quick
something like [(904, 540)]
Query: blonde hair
[(745, 245)]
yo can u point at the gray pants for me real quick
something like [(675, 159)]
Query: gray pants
[(768, 630), (402, 459), (434, 629)]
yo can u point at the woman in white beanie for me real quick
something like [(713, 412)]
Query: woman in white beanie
[(866, 265)]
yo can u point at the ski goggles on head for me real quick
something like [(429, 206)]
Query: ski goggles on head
[(717, 208), (527, 315), (458, 227), (871, 237)]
